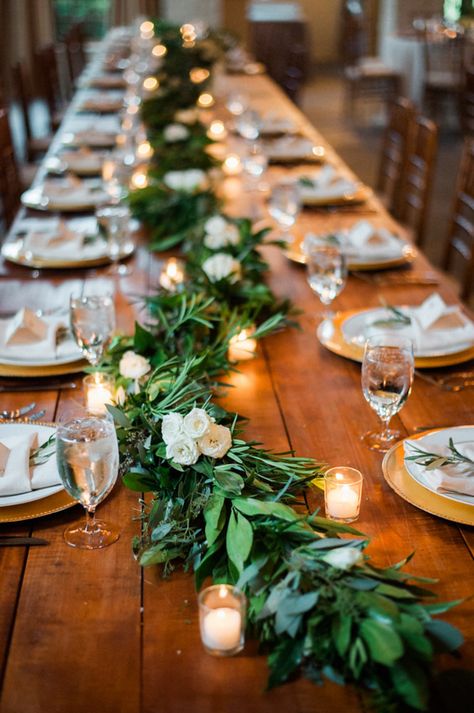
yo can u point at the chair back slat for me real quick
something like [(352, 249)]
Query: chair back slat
[(10, 188), (394, 152)]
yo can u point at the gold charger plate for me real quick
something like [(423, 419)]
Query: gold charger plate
[(360, 195), (296, 254), (72, 367), (330, 335), (37, 508), (12, 251), (397, 476), (34, 198)]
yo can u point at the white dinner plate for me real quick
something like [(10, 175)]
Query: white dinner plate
[(353, 330), (433, 442), (44, 432)]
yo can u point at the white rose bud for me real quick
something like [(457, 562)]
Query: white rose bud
[(187, 181), (120, 396), (187, 116), (216, 442), (183, 451), (215, 225), (172, 427), (133, 366), (219, 266), (229, 235), (175, 132), (196, 423), (343, 557)]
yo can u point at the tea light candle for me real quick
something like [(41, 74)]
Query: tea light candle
[(98, 391), (217, 130), (232, 165), (221, 616), (198, 75), (205, 100), (172, 276), (139, 179), (144, 150), (242, 346), (342, 493)]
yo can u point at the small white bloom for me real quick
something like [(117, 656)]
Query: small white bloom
[(172, 427), (175, 132), (183, 451), (187, 116), (343, 557), (229, 235), (215, 225), (188, 181), (196, 423), (219, 266), (216, 442), (133, 366), (120, 396)]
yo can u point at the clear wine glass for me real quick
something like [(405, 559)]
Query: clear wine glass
[(92, 323), (248, 124), (255, 164), (88, 460), (114, 220), (116, 172), (387, 376), (327, 273), (284, 206)]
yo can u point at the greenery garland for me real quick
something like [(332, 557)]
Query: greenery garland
[(227, 508)]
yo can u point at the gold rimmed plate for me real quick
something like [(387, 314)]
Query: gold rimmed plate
[(13, 251), (23, 371), (399, 479), (35, 198), (331, 336), (42, 504), (295, 253), (360, 194)]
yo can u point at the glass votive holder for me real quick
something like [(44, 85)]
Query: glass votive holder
[(342, 493), (242, 346), (222, 611), (172, 275), (99, 389)]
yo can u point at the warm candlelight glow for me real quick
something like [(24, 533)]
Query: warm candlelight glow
[(188, 32), (133, 109), (342, 493), (147, 30), (205, 100), (172, 276), (150, 84), (198, 75), (144, 150), (232, 165), (242, 346), (159, 50), (217, 130), (98, 392), (139, 179), (222, 610)]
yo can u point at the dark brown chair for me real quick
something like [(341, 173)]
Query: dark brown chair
[(35, 146), (466, 103), (10, 188), (75, 50), (460, 243), (396, 142), (50, 86), (418, 177), (444, 71)]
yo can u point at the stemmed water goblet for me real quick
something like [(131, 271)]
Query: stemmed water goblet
[(88, 460), (387, 376), (114, 221), (284, 206), (248, 124), (327, 273), (92, 323), (255, 163)]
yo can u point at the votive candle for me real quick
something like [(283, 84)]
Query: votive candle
[(232, 165), (242, 346), (222, 610), (98, 392), (172, 275), (342, 493)]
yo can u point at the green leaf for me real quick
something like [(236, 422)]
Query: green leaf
[(143, 340), (284, 660), (230, 482), (410, 682), (214, 515), (413, 633), (384, 643), (239, 540), (394, 592), (252, 507), (445, 635), (119, 416), (341, 632), (139, 482)]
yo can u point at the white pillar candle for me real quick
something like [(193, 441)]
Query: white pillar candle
[(342, 503), (221, 629)]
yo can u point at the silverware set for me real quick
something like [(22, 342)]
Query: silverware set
[(454, 382), (20, 413)]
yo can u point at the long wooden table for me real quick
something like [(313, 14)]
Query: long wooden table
[(93, 631)]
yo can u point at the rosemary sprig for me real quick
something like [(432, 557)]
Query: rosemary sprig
[(437, 460), (43, 453)]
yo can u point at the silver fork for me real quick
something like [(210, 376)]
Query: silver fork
[(17, 412), (36, 416)]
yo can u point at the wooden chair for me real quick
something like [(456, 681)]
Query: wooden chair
[(444, 71), (366, 77), (466, 103), (35, 146), (418, 177), (50, 84), (10, 188), (75, 50), (460, 243), (394, 152)]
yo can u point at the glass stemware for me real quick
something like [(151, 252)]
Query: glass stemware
[(92, 323), (248, 124), (116, 172), (327, 272), (255, 164), (387, 376), (284, 206), (88, 460), (114, 220)]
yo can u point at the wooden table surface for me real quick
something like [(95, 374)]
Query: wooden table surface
[(93, 631)]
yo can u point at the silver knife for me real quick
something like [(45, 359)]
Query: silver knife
[(7, 388)]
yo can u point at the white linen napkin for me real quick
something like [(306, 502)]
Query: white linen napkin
[(364, 240), (291, 147), (82, 160), (72, 191), (453, 478), (19, 476), (327, 184), (37, 348), (58, 241), (273, 123)]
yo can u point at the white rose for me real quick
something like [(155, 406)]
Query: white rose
[(175, 132), (343, 557), (220, 266), (172, 427), (229, 235), (216, 442), (196, 423), (187, 116), (187, 181), (183, 451), (215, 225), (133, 366)]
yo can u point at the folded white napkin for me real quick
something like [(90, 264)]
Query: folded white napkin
[(37, 346), (327, 184), (19, 476), (366, 241), (292, 147), (58, 241), (273, 123), (82, 160), (434, 326), (453, 478), (72, 191)]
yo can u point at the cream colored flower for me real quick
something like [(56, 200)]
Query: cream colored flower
[(120, 396), (343, 557), (220, 233), (187, 116), (183, 451), (175, 132), (221, 266), (215, 225), (196, 423), (133, 366), (216, 442), (172, 427), (187, 181)]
